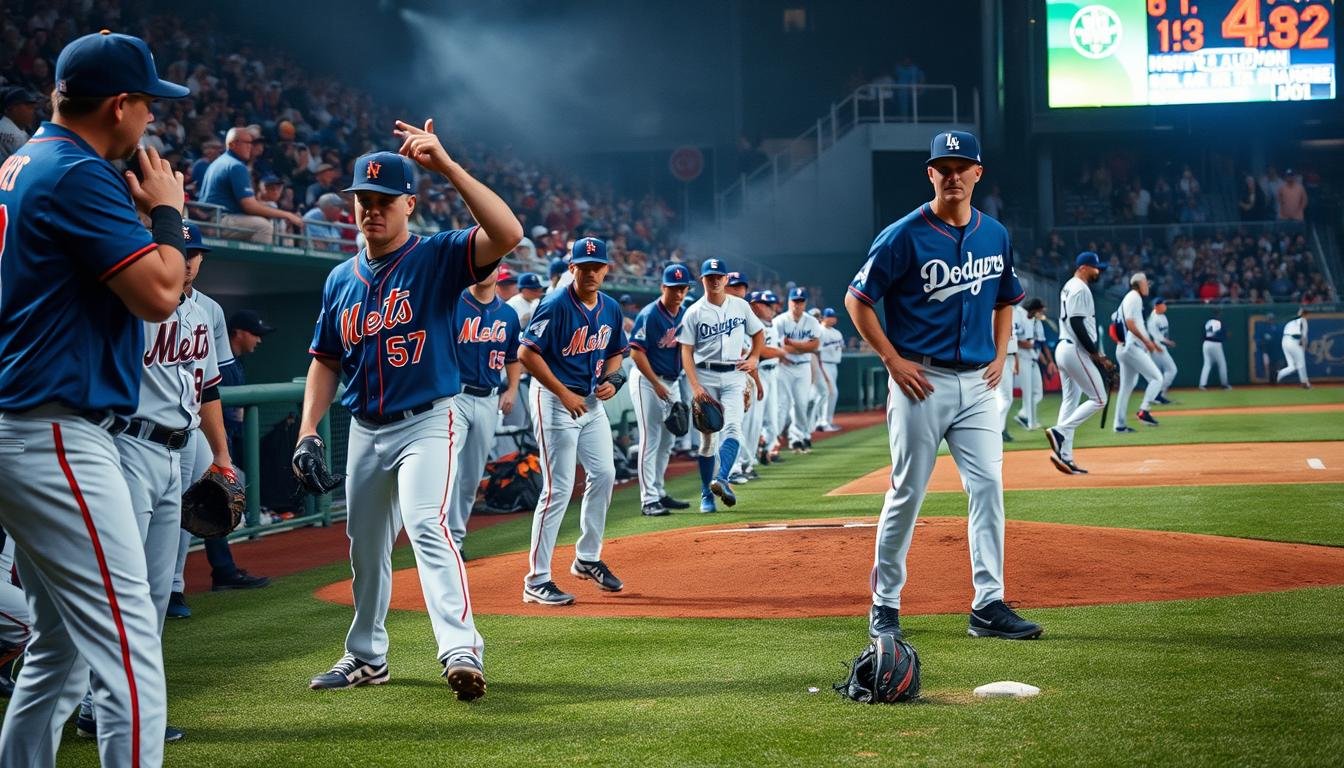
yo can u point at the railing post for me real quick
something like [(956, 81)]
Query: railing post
[(774, 173), (252, 464), (954, 105), (819, 140), (914, 103), (834, 120), (881, 105), (324, 432)]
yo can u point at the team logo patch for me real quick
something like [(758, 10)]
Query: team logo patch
[(943, 280), (1095, 31), (536, 329), (953, 142), (373, 169)]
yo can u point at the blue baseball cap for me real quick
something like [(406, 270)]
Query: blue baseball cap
[(769, 297), (713, 267), (1089, 259), (758, 297), (529, 280), (798, 294), (828, 312), (191, 234), (626, 299), (558, 267), (737, 278), (589, 250), (677, 274), (1158, 300), (962, 144), (385, 172), (106, 64)]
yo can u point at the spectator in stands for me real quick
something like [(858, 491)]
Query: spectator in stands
[(992, 204), (1292, 198), (909, 75), (322, 222), (211, 149), (1140, 201), (1270, 183), (20, 114), (1163, 209), (326, 177), (1251, 205), (1193, 211), (228, 184)]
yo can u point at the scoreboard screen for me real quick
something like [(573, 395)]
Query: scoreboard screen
[(1152, 52)]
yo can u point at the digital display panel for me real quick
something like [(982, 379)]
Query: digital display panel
[(1154, 52)]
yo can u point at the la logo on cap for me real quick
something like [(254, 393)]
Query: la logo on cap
[(953, 142), (374, 168)]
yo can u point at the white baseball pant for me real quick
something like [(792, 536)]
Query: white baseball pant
[(1135, 362), (404, 473), (963, 411), (563, 438), (832, 371), (1213, 357), (476, 433), (1003, 395), (1080, 379), (795, 384), (1167, 365), (655, 441), (1032, 385), (1296, 357)]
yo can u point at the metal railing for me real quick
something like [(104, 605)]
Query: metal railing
[(872, 103)]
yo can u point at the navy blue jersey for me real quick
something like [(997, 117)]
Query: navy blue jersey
[(487, 339), (940, 284), (655, 334), (392, 330), (67, 225), (576, 341)]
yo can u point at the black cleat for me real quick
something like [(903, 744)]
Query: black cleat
[(884, 620), (998, 620)]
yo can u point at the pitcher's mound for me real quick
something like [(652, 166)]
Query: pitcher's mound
[(822, 568)]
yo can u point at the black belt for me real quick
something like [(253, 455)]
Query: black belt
[(720, 367), (372, 420), (950, 365), (474, 391), (1295, 336), (172, 439), (1215, 341), (769, 367), (580, 391), (114, 423)]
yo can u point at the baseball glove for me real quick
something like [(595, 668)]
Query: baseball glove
[(213, 505), (678, 420), (310, 467), (707, 415), (886, 672)]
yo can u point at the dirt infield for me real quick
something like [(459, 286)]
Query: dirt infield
[(821, 569), (1254, 409), (1146, 465)]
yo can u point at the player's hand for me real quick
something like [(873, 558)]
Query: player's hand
[(1151, 346), (747, 366), (507, 398), (1016, 366), (994, 372), (158, 183), (422, 146), (910, 378), (1051, 369), (576, 405), (659, 391), (605, 391), (760, 393), (699, 393)]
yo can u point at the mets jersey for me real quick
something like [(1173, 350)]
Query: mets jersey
[(576, 341), (940, 284), (487, 340), (655, 334), (180, 363), (390, 323), (67, 225)]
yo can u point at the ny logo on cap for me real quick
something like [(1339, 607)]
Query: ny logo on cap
[(953, 142), (374, 168), (590, 247), (186, 233)]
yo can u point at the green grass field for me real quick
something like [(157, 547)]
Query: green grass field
[(1250, 680)]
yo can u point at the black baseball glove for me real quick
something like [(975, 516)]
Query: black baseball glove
[(886, 672), (678, 420), (213, 505), (707, 415), (615, 379), (1110, 374), (310, 467)]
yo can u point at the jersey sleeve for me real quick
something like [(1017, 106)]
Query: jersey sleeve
[(1010, 288), (210, 367), (686, 330), (219, 332), (512, 330), (538, 334), (455, 257), (94, 216), (1077, 303), (326, 334), (639, 333), (754, 324), (240, 181), (811, 327), (887, 258), (619, 341)]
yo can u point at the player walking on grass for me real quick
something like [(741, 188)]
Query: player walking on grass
[(1294, 349), (573, 349), (714, 332), (1136, 354), (1159, 330), (386, 326), (1080, 359), (945, 276)]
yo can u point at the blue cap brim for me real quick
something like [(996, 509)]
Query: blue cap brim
[(587, 260), (371, 187), (166, 90), (712, 272), (953, 155), (679, 284), (197, 249)]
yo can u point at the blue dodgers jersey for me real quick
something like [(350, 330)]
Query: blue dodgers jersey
[(575, 341), (939, 284), (392, 330), (655, 334), (67, 225), (487, 339)]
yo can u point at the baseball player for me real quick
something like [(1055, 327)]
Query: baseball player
[(1003, 394), (386, 326), (1159, 330), (1214, 335), (945, 276), (523, 303), (16, 623), (1295, 349), (1030, 346), (1135, 352), (78, 276), (800, 334), (572, 348), (487, 357), (179, 392), (714, 333), (832, 351), (653, 387), (738, 286), (758, 430), (1078, 355)]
